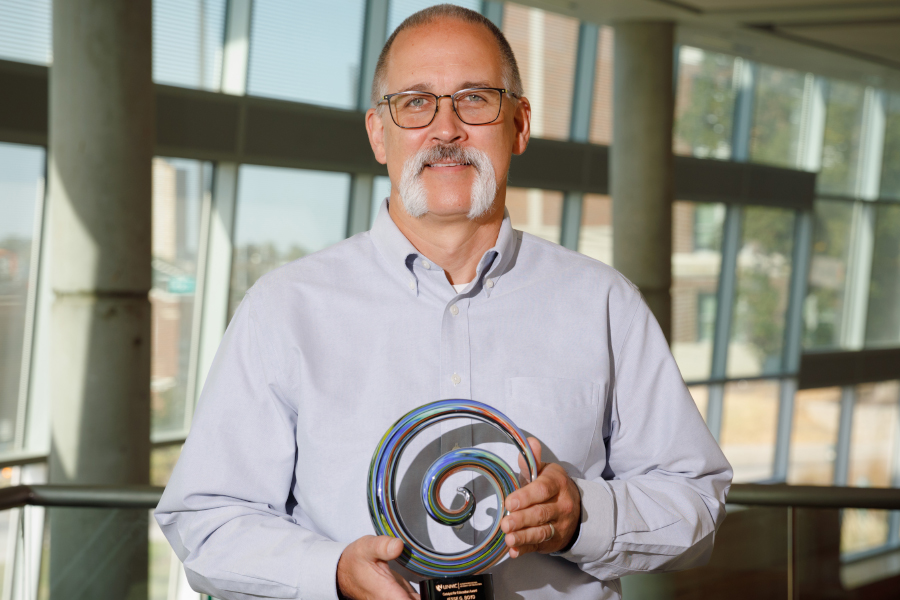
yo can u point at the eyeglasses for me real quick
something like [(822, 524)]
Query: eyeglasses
[(473, 106)]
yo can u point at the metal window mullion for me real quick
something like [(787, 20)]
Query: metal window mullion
[(792, 340), (715, 397), (894, 516), (859, 274), (359, 213), (236, 48), (216, 247), (725, 296), (845, 427), (745, 78), (493, 11), (580, 125), (359, 216), (812, 124), (374, 36), (216, 252), (32, 304)]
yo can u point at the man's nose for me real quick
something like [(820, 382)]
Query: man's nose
[(446, 126)]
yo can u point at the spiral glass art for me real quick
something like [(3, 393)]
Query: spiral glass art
[(383, 476)]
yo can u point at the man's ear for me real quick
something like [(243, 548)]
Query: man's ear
[(375, 129), (522, 122)]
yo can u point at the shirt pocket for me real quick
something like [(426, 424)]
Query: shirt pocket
[(562, 413)]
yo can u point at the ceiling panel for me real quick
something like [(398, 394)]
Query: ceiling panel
[(877, 40), (784, 5)]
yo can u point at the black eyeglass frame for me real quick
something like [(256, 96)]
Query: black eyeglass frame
[(386, 99)]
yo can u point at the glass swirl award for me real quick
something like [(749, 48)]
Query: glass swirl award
[(452, 576)]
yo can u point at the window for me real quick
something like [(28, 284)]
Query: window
[(883, 315), (777, 116), (761, 298), (602, 106), (179, 187), (824, 304), (704, 104), (25, 31), (187, 42), (401, 9), (872, 443), (381, 189), (545, 45), (538, 212), (696, 262), (814, 437), (749, 421), (890, 167), (306, 51), (283, 215), (840, 149), (595, 237), (21, 197), (700, 394)]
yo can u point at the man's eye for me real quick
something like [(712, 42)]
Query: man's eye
[(474, 98), (417, 102)]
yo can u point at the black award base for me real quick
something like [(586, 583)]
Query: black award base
[(470, 587)]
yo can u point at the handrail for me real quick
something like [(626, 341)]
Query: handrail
[(813, 496), (80, 496), (746, 494)]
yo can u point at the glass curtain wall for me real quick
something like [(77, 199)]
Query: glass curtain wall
[(187, 42), (696, 264), (285, 36), (283, 215), (25, 31), (545, 45), (179, 189), (704, 103), (21, 202)]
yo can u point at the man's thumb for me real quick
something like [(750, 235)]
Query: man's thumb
[(387, 548)]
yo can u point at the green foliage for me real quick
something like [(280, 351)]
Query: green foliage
[(776, 118), (704, 125)]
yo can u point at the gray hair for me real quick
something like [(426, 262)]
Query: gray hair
[(511, 78)]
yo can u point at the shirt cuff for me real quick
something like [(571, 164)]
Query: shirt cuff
[(597, 528), (318, 570)]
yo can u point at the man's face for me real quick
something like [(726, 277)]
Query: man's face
[(443, 58)]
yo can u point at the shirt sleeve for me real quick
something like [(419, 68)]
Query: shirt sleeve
[(657, 502), (226, 510)]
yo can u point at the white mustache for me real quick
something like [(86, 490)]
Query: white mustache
[(412, 190)]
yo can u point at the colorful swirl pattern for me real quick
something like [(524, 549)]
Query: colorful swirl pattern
[(383, 475)]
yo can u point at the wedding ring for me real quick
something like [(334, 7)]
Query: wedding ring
[(552, 533)]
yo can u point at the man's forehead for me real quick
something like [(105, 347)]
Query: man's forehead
[(445, 52)]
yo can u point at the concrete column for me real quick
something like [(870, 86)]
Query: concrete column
[(641, 164), (101, 145)]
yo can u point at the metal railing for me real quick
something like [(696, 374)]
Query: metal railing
[(79, 496), (792, 497), (746, 494)]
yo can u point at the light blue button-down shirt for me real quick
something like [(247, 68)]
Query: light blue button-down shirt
[(325, 353)]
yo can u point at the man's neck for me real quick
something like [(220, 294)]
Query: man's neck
[(456, 243)]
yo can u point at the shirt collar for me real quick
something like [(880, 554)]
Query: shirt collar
[(400, 252)]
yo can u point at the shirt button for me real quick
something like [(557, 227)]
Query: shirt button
[(426, 264), (455, 379), (454, 310), (412, 285), (489, 283)]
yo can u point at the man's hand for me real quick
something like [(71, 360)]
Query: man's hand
[(552, 498), (363, 572)]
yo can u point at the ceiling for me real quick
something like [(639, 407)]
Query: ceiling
[(850, 39)]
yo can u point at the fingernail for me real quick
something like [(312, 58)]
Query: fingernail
[(512, 539), (512, 504), (514, 553)]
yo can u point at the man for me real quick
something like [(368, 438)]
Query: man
[(442, 299)]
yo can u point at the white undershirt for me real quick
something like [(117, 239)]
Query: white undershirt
[(459, 287)]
